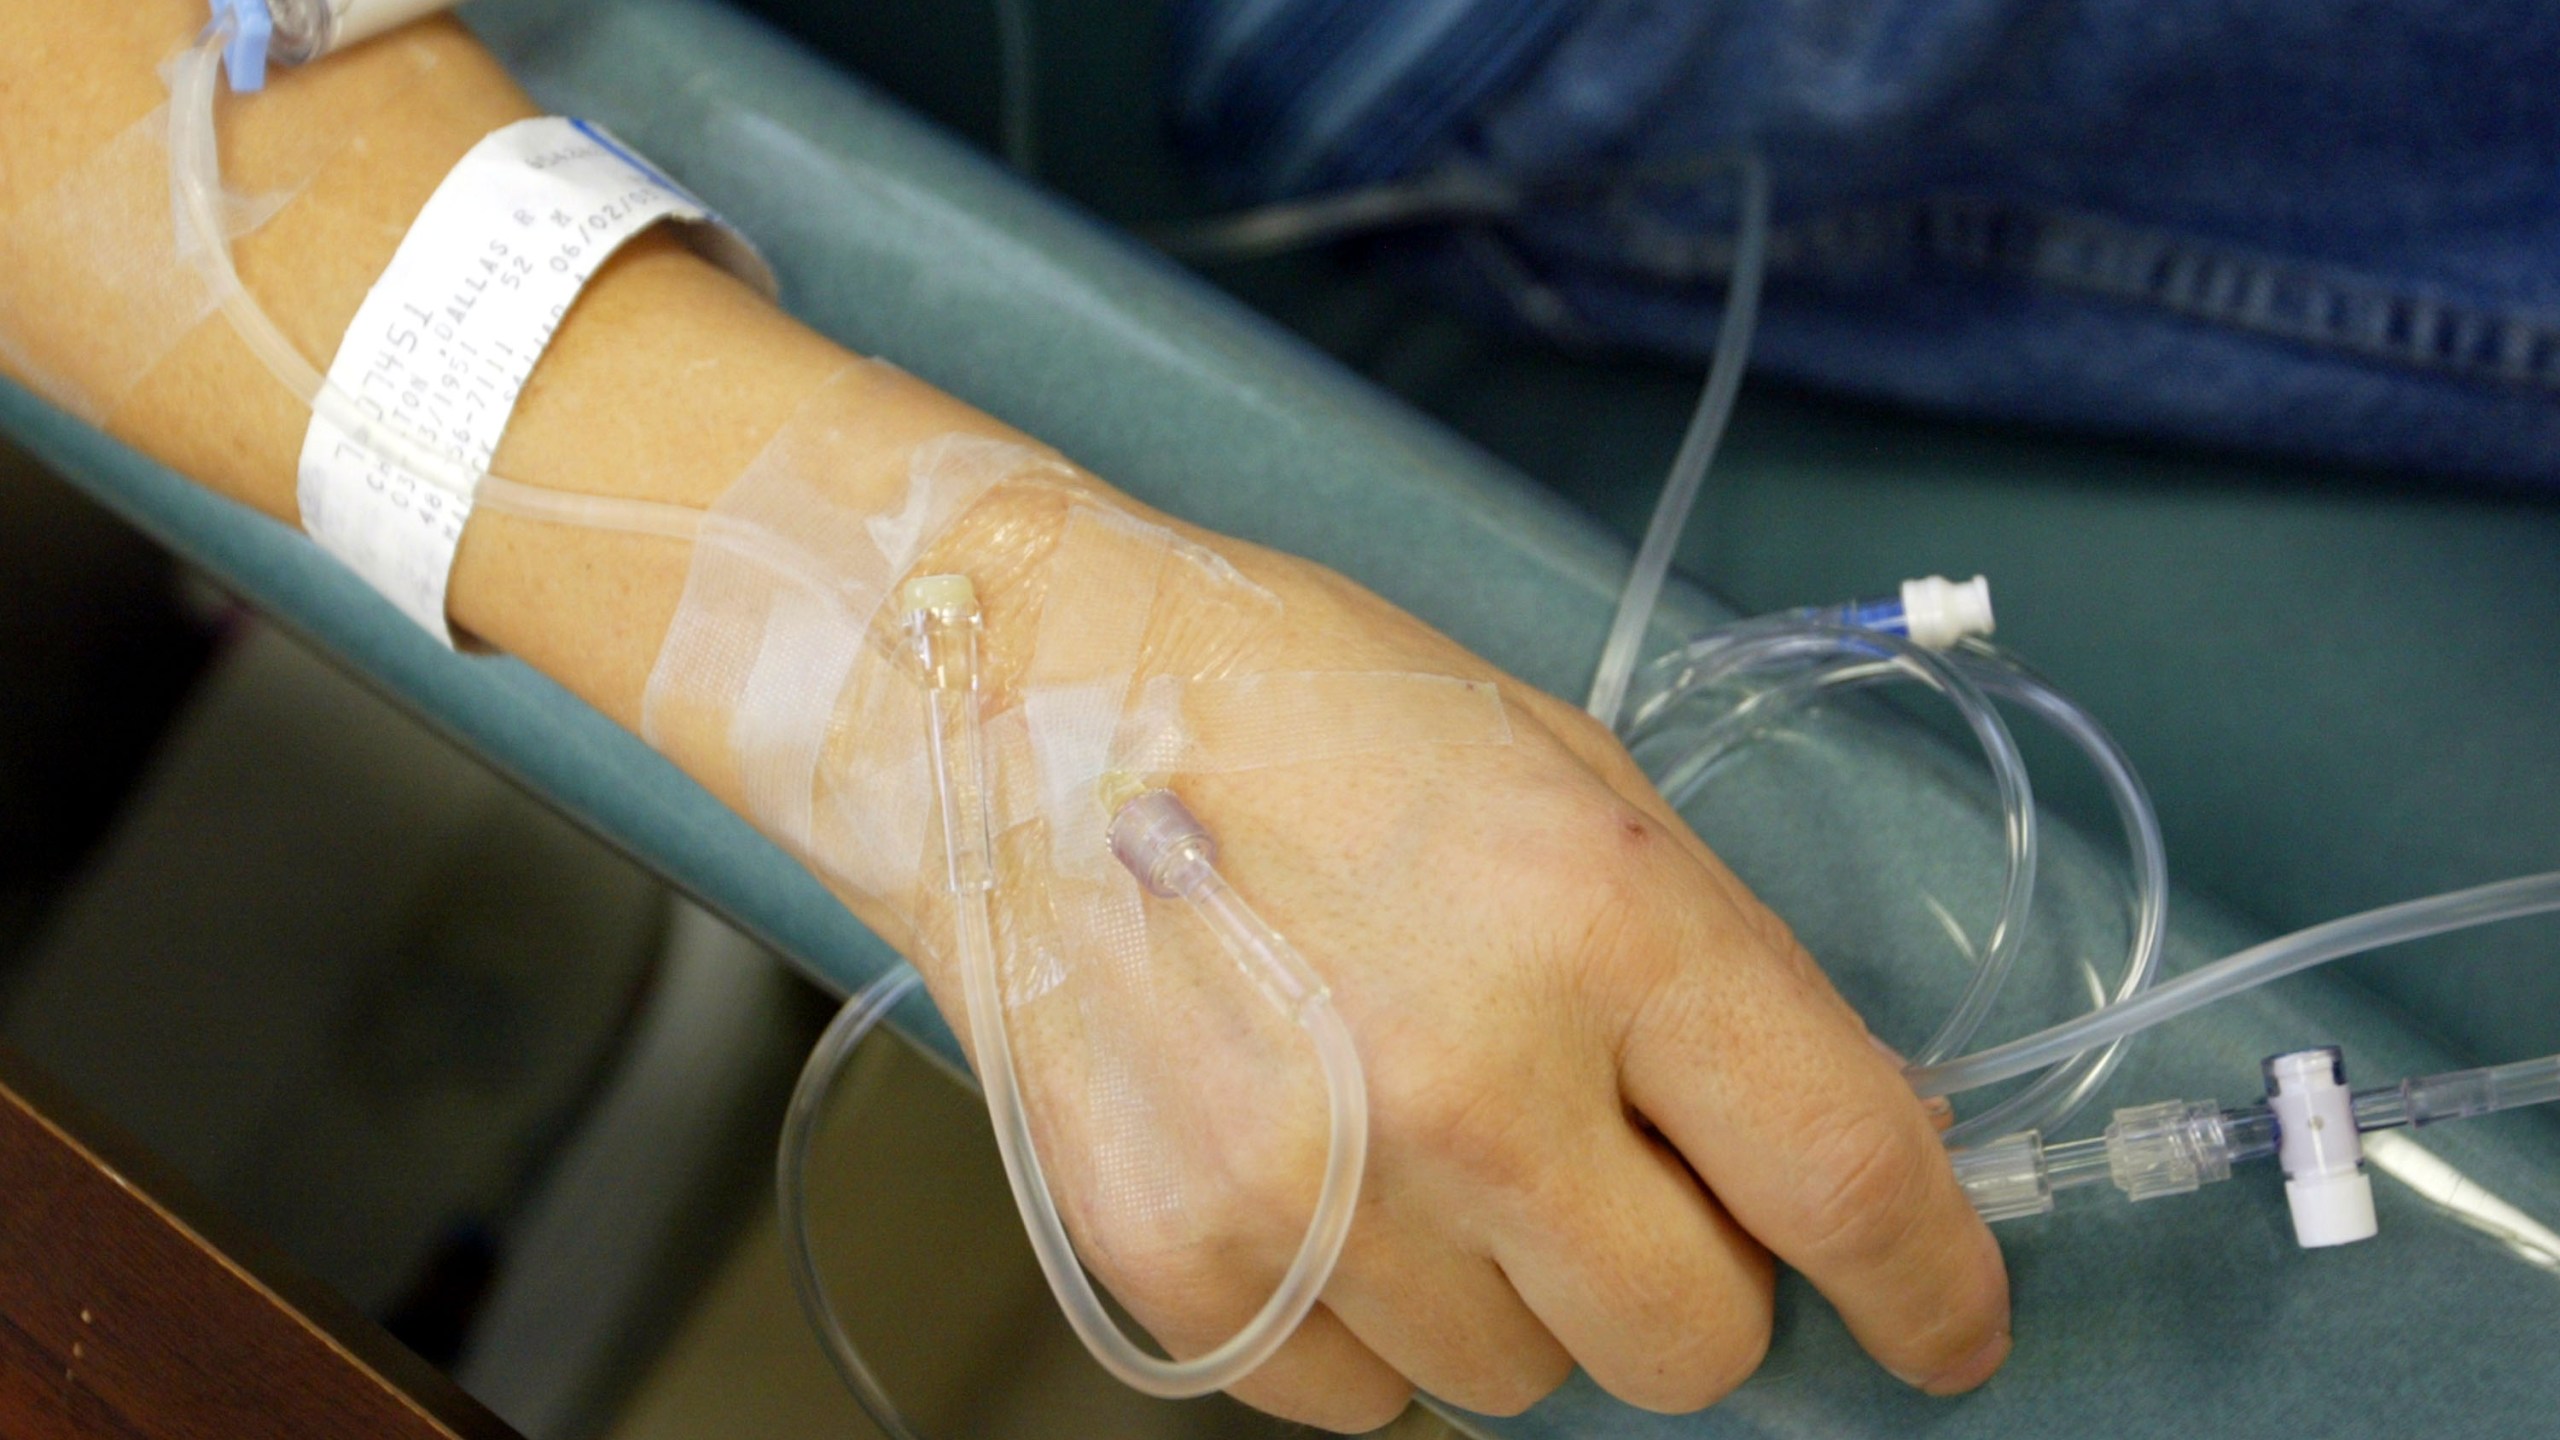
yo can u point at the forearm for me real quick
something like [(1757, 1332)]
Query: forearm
[(662, 383)]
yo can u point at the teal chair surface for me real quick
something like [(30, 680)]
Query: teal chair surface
[(2191, 1316)]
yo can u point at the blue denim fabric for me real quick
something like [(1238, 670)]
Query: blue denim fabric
[(2323, 228)]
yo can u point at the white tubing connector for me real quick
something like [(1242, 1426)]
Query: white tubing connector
[(1940, 611), (2320, 1148)]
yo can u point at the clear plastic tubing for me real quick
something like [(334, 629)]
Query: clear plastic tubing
[(1853, 645), (2459, 1094), (1020, 99), (1752, 676), (1759, 672), (2249, 1131), (2062, 1091), (2175, 1147), (1808, 659), (2250, 968), (943, 619), (1625, 645), (309, 29), (1702, 702), (827, 1058)]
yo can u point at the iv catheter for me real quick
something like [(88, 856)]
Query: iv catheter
[(1173, 857)]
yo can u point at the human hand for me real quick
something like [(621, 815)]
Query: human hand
[(1607, 1086)]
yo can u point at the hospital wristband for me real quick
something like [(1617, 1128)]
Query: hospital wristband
[(440, 350)]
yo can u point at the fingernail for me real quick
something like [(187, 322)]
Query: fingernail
[(1970, 1371)]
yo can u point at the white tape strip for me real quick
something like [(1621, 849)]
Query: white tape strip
[(441, 347), (103, 235), (765, 684), (96, 288)]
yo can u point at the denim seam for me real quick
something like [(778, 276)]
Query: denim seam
[(2306, 303)]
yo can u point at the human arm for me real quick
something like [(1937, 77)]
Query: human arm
[(1507, 934)]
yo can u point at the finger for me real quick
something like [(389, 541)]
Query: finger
[(1659, 1295), (1194, 1298), (1785, 975), (1940, 1110), (1448, 1320), (1808, 1136), (1324, 1376)]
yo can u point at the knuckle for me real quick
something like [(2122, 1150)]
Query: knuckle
[(1461, 1107), (1195, 1264), (1247, 1218), (1164, 1274), (1865, 1175), (1343, 1404), (1511, 1389), (1767, 930), (1676, 1365), (1583, 870), (1689, 1341), (1711, 1366)]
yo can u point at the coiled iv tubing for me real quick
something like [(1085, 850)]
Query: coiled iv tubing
[(1690, 721), (1696, 706)]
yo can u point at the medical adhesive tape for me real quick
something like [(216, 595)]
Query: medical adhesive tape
[(441, 348), (779, 682), (103, 232)]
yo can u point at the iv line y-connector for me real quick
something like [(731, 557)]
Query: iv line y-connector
[(2320, 1148)]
